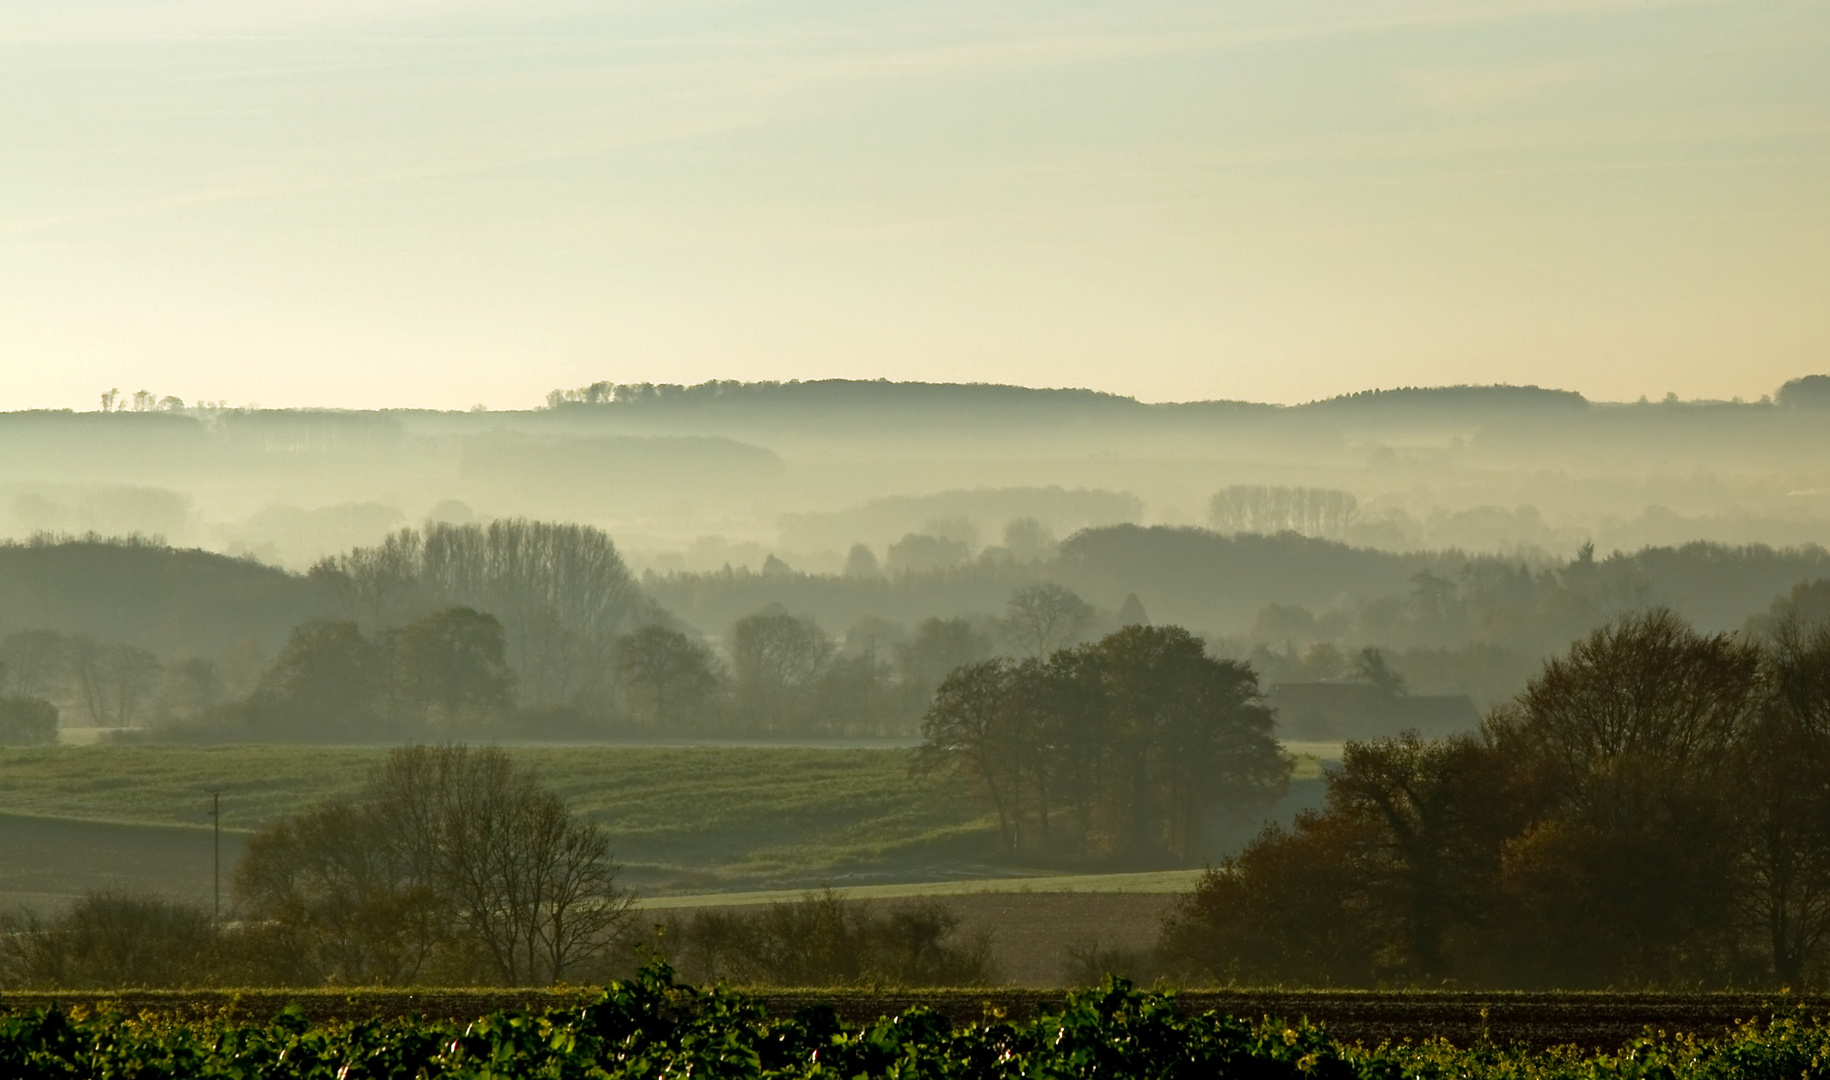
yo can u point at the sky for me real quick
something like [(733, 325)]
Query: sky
[(445, 203)]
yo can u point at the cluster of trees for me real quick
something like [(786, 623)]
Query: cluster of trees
[(139, 401), (819, 393), (1484, 628), (445, 627), (1113, 750), (1536, 607), (1485, 602), (109, 940), (1246, 508), (1032, 516), (1451, 621), (949, 544), (1806, 392), (562, 594), (452, 866), (444, 671), (1653, 809), (108, 684), (579, 635), (824, 940), (452, 671), (782, 674), (149, 637), (448, 628)]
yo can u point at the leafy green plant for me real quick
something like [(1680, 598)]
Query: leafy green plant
[(651, 1026)]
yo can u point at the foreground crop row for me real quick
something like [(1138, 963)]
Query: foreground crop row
[(651, 1027)]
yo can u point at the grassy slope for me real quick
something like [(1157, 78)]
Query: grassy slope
[(682, 820), (768, 814), (701, 818), (169, 785)]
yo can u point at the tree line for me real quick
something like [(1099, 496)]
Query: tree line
[(1249, 508), (48, 677), (777, 672), (589, 650), (1653, 809), (452, 672)]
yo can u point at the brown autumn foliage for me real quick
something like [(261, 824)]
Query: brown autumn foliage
[(1653, 810)]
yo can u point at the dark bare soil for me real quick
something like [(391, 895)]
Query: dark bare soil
[(1589, 1020), (45, 863)]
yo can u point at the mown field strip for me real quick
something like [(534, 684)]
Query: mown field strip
[(1161, 881)]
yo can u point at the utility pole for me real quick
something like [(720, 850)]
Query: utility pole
[(216, 859)]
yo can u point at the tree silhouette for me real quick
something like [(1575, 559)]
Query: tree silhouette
[(1039, 619), (450, 857), (667, 674), (450, 664)]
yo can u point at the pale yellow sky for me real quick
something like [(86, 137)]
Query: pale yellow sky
[(440, 203)]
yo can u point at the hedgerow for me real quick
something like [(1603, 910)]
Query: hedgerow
[(650, 1026)]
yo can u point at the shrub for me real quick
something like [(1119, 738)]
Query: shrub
[(825, 940), (108, 940), (27, 721)]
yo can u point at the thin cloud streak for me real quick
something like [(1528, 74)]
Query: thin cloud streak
[(744, 185)]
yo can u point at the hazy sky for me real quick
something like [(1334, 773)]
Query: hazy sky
[(440, 203)]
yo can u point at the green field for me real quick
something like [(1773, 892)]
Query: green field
[(681, 820), (696, 819)]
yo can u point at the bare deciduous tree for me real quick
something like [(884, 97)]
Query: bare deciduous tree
[(1244, 508), (1644, 707), (1040, 619), (971, 727), (563, 594), (775, 659), (114, 685), (108, 941), (35, 662), (451, 858), (534, 888), (373, 587), (346, 897)]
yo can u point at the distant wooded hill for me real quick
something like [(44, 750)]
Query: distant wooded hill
[(788, 476), (158, 619), (843, 394), (170, 601), (176, 601)]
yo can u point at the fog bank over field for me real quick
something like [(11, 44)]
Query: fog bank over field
[(931, 475)]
